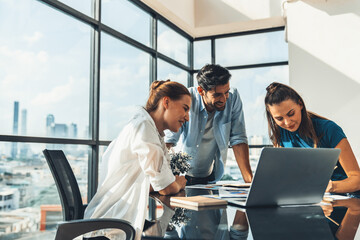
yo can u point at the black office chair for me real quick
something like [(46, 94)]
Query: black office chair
[(72, 206)]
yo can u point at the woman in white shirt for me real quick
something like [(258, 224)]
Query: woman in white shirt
[(137, 160)]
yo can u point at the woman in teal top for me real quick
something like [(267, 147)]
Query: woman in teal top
[(291, 125)]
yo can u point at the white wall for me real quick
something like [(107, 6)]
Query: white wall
[(181, 13), (324, 60), (215, 12), (211, 17)]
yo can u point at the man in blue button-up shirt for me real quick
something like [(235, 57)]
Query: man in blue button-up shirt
[(216, 120)]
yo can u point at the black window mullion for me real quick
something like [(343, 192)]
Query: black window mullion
[(213, 60), (93, 164), (173, 62), (58, 5), (235, 34), (259, 65), (31, 139), (191, 63), (153, 44)]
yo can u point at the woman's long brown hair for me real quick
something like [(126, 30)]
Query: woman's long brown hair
[(277, 93)]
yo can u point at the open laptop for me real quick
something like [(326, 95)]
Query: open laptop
[(287, 176)]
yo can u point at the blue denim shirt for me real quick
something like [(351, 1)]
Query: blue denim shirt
[(228, 126)]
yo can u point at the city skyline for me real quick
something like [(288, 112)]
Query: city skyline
[(53, 129)]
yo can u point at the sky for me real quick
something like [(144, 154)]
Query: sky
[(45, 65)]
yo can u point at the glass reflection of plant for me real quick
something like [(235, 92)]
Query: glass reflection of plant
[(179, 218), (179, 165)]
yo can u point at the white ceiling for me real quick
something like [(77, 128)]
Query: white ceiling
[(212, 17)]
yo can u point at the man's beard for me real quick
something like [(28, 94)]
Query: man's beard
[(219, 108), (213, 106)]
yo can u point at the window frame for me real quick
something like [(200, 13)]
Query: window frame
[(97, 28)]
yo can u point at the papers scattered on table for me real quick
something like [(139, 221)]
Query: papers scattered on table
[(235, 184), (333, 197), (228, 185), (205, 186), (301, 205), (236, 193)]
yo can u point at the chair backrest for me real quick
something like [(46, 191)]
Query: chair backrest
[(72, 206)]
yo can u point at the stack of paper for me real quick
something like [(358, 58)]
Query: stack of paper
[(196, 202)]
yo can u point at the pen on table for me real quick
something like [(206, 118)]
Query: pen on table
[(332, 221)]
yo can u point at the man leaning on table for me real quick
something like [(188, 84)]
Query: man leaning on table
[(216, 120)]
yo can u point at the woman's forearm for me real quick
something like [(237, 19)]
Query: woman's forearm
[(350, 184), (174, 187)]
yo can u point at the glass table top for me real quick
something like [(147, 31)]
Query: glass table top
[(329, 220)]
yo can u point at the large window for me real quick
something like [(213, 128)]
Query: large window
[(44, 80), (70, 80), (124, 84), (202, 53), (251, 84), (251, 49), (83, 6), (33, 202), (255, 59), (169, 71), (172, 44), (127, 19)]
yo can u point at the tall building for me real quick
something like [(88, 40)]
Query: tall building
[(50, 121), (60, 130), (9, 199), (14, 148), (86, 132), (23, 122), (73, 131), (24, 146)]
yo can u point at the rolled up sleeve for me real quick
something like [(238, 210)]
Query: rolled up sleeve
[(163, 178), (152, 157), (238, 130)]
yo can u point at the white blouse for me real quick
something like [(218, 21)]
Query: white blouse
[(136, 158)]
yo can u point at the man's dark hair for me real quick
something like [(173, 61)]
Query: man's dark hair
[(212, 75)]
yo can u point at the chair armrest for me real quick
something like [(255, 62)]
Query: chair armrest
[(84, 207), (70, 230)]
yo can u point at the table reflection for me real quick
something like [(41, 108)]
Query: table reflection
[(344, 218), (288, 223), (336, 220), (213, 223)]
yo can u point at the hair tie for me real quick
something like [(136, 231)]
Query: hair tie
[(158, 83), (272, 87)]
